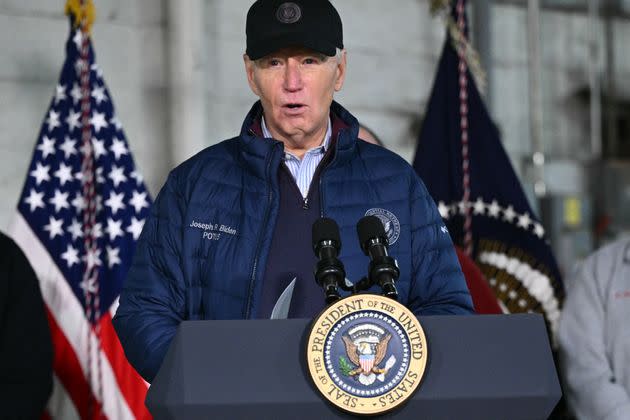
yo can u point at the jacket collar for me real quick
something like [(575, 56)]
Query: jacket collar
[(258, 152)]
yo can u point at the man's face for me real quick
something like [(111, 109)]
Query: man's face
[(296, 87)]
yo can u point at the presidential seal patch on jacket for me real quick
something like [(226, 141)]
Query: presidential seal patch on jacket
[(390, 223), (366, 354)]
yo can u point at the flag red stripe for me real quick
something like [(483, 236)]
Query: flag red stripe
[(131, 385), (68, 370)]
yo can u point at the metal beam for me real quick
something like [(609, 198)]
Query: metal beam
[(535, 96), (187, 75), (482, 40)]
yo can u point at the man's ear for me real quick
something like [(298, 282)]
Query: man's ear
[(250, 68), (341, 72)]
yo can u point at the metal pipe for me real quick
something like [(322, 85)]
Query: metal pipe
[(611, 99), (482, 23), (535, 96), (187, 75), (594, 80)]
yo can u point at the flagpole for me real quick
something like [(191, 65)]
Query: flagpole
[(90, 278), (535, 96), (463, 114)]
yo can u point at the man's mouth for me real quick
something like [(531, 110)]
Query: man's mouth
[(294, 108)]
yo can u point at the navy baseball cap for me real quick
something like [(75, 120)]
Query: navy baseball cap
[(276, 24)]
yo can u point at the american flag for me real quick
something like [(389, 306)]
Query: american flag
[(92, 378)]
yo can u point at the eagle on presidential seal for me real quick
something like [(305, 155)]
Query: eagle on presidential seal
[(366, 347)]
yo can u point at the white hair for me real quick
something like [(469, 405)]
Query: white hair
[(339, 55)]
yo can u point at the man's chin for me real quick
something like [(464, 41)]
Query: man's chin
[(294, 126)]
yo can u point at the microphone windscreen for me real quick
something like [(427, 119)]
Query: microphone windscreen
[(325, 229), (370, 227)]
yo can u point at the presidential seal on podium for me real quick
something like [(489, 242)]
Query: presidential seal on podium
[(366, 354)]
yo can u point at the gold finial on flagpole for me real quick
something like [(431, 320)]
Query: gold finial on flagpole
[(81, 10)]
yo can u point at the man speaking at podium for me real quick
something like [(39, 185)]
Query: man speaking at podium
[(231, 228)]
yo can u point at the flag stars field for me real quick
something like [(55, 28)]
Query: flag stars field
[(135, 227), (68, 147), (78, 202), (137, 176), (96, 69), (35, 200), (114, 229), (53, 120), (99, 175), (64, 173), (75, 229), (117, 175), (71, 256), (98, 121), (52, 228), (47, 147), (116, 122), (99, 147), (139, 201), (76, 94), (118, 148), (40, 173), (73, 120), (112, 256), (115, 202), (60, 93), (99, 95), (60, 201), (98, 230), (89, 285)]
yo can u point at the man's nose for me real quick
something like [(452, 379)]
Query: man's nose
[(292, 76)]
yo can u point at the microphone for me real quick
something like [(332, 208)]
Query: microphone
[(329, 271), (383, 269)]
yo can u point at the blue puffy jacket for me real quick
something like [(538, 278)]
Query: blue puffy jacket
[(180, 273)]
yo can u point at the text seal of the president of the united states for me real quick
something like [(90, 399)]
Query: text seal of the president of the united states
[(366, 354)]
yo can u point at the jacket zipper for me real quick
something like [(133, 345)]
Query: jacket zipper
[(259, 242), (303, 200), (321, 195)]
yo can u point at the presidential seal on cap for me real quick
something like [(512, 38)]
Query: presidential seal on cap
[(366, 354)]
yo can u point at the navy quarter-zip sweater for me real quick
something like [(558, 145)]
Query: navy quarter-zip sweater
[(291, 253), (205, 248)]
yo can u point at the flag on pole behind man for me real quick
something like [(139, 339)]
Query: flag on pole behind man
[(80, 213), (467, 171)]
